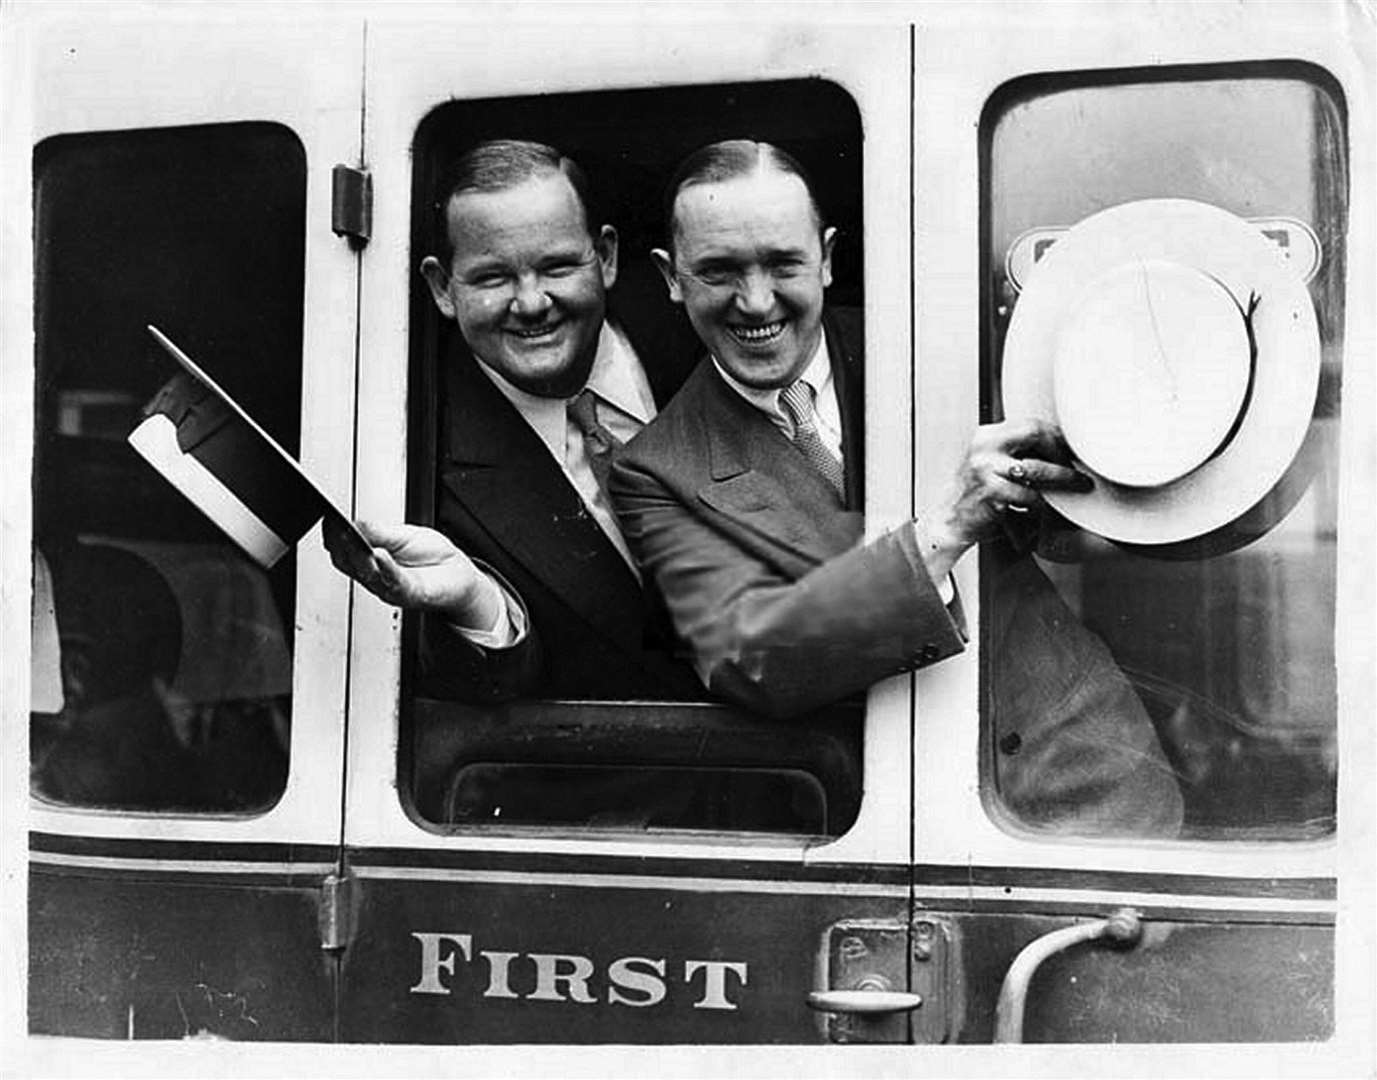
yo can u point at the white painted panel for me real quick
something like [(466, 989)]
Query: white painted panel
[(89, 68)]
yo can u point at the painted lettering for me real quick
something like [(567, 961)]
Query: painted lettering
[(627, 973), (549, 976), (499, 963), (637, 982), (714, 981), (432, 963)]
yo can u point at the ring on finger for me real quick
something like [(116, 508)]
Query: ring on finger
[(1018, 474)]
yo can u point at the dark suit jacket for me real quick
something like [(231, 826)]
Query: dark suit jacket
[(762, 569), (594, 632), (759, 560)]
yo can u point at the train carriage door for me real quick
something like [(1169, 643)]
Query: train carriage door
[(187, 715), (1219, 631), (616, 859)]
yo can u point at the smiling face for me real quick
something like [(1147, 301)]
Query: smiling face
[(527, 283), (750, 265)]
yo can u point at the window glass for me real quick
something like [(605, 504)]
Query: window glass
[(162, 656), (588, 744), (1227, 639)]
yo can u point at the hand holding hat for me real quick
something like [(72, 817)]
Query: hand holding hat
[(1006, 467), (414, 567)]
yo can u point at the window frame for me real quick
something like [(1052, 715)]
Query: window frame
[(849, 57), (948, 105), (190, 73), (1329, 304)]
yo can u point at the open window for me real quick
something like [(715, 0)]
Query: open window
[(162, 656), (1228, 639), (623, 753)]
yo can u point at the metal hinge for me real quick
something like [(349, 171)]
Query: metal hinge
[(351, 203), (336, 917)]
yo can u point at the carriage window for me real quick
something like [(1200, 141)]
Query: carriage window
[(610, 726), (162, 656), (1216, 604)]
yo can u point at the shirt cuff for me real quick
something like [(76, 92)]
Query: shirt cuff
[(508, 627), (946, 588)]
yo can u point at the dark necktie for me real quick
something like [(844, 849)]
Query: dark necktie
[(598, 442), (797, 403)]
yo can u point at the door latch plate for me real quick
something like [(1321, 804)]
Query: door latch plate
[(884, 956)]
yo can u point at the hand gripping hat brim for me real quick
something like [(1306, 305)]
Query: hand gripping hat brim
[(1120, 338)]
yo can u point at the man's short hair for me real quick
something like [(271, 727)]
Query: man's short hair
[(730, 160), (498, 164)]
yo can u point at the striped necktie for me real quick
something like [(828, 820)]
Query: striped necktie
[(598, 442), (797, 403)]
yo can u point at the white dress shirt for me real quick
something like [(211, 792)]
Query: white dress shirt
[(818, 375), (624, 406)]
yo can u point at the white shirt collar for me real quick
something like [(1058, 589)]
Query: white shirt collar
[(616, 377), (818, 375)]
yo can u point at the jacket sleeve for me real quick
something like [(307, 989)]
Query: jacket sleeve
[(778, 643), (1074, 750), (455, 668)]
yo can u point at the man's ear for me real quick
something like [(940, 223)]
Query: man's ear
[(829, 237), (606, 247), (664, 262), (438, 280)]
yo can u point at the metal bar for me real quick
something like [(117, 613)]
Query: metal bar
[(1123, 928)]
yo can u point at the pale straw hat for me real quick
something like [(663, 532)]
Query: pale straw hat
[(1178, 351)]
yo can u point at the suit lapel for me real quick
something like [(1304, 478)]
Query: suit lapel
[(498, 467), (846, 349), (761, 481)]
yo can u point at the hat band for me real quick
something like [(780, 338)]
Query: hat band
[(156, 441)]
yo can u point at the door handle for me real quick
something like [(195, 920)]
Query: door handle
[(870, 997)]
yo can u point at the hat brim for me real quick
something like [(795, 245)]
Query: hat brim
[(1285, 377), (236, 473)]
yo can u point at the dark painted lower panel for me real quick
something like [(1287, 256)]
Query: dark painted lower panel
[(1190, 983), (117, 954), (503, 962), (711, 968), (122, 956)]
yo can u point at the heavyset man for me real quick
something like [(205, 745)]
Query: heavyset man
[(742, 502), (527, 585)]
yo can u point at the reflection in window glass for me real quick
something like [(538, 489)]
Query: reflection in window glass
[(1228, 641), (161, 659)]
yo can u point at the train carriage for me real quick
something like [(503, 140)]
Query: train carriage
[(336, 856)]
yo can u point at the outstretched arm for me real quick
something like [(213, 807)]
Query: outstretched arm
[(417, 568), (778, 643), (478, 643)]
